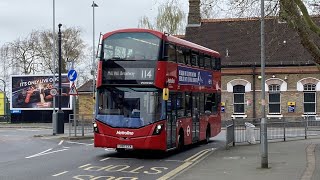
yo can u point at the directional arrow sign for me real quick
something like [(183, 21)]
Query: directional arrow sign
[(72, 75)]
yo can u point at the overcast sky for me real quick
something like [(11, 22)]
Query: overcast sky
[(19, 17)]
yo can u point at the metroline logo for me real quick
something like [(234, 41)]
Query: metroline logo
[(125, 133)]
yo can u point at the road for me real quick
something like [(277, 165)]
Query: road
[(23, 156)]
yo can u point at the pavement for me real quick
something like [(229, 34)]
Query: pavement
[(290, 160), (47, 126)]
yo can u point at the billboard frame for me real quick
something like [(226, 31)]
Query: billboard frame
[(45, 76)]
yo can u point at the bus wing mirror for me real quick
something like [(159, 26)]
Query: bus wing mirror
[(165, 94)]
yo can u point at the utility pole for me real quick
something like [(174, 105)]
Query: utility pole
[(263, 127), (54, 117), (93, 72), (60, 112)]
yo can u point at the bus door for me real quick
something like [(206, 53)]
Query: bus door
[(171, 120), (195, 118)]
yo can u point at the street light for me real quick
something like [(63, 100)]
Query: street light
[(5, 98), (60, 122), (93, 54), (263, 126), (54, 119)]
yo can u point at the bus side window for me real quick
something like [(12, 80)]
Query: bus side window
[(188, 101), (201, 60), (201, 103), (208, 103), (214, 103), (172, 53), (207, 62), (180, 56), (214, 63), (186, 53), (194, 59), (180, 104), (218, 64)]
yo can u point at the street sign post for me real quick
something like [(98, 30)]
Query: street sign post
[(73, 90), (72, 75)]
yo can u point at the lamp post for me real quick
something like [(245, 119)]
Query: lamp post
[(54, 119), (93, 72), (263, 130), (60, 113), (5, 98)]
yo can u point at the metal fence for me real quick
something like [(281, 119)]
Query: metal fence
[(278, 129), (80, 124), (5, 118)]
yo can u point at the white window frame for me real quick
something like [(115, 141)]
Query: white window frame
[(274, 89), (310, 88), (243, 102)]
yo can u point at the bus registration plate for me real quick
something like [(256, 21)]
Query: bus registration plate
[(125, 146)]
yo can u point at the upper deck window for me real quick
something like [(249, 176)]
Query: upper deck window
[(131, 46)]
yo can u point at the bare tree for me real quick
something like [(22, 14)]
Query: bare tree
[(23, 54), (170, 18), (297, 13), (208, 8), (73, 48), (144, 22)]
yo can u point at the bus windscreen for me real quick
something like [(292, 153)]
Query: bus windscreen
[(131, 46), (130, 107)]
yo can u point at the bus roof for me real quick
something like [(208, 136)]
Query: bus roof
[(168, 38)]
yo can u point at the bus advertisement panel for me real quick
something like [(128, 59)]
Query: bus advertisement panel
[(32, 92)]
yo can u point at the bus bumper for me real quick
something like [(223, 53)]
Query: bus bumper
[(155, 142)]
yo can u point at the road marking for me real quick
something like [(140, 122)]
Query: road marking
[(31, 130), (84, 166), (86, 144), (60, 173), (175, 171), (104, 159), (60, 142), (193, 156), (199, 156), (189, 162), (110, 149), (46, 153)]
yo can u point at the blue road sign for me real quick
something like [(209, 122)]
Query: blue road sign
[(72, 75)]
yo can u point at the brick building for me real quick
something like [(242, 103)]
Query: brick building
[(85, 98), (292, 78)]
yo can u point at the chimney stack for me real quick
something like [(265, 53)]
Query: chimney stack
[(194, 17)]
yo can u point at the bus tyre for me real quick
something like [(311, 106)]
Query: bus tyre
[(207, 135), (120, 150), (180, 141)]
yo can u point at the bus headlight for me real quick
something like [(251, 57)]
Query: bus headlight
[(95, 127), (158, 129)]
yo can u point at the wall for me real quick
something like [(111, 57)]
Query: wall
[(283, 74)]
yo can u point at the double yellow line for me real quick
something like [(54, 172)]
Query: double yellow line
[(194, 159)]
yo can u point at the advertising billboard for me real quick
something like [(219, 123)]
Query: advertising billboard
[(2, 103), (32, 92)]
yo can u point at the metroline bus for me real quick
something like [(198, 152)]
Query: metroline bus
[(155, 92)]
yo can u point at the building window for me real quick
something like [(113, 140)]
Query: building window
[(274, 99), (238, 99), (309, 98)]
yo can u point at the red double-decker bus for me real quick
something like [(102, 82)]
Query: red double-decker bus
[(155, 91)]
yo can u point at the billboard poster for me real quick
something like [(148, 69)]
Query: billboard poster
[(32, 92), (2, 103)]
